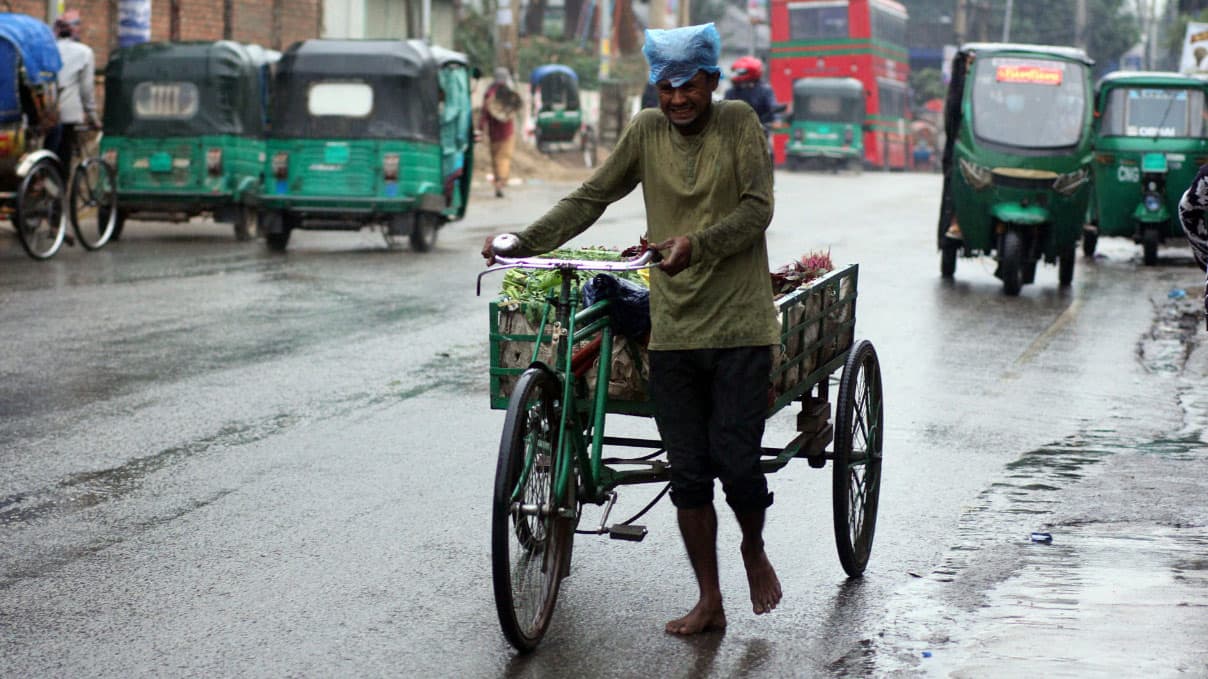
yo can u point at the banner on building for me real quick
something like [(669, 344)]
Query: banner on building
[(1195, 49), (133, 22)]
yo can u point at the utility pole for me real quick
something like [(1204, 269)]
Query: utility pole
[(606, 9), (960, 25), (1006, 22), (1080, 24), (658, 14)]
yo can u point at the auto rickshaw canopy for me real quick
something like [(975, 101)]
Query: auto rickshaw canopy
[(186, 89), (558, 85), (402, 76), (27, 49)]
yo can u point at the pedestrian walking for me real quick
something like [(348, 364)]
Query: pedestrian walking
[(500, 104)]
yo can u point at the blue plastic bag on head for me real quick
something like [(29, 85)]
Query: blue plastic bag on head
[(630, 308), (676, 54)]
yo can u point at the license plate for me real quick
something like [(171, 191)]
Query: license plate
[(335, 154), (161, 162)]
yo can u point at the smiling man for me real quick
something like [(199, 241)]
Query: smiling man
[(707, 184)]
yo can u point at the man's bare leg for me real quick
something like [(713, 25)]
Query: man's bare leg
[(765, 586), (699, 530)]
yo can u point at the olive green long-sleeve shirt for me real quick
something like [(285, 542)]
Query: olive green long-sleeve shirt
[(714, 187)]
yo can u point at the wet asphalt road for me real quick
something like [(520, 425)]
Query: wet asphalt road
[(215, 460)]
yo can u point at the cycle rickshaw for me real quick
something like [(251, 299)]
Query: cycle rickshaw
[(33, 194), (550, 370)]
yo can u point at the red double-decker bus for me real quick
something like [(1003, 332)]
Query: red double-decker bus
[(861, 39)]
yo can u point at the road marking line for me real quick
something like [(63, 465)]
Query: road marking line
[(1042, 340)]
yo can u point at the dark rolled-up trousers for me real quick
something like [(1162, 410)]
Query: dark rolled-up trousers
[(710, 406)]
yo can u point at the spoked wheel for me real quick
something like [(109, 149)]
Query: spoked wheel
[(38, 216), (1009, 260), (92, 203), (530, 542), (859, 434), (423, 236)]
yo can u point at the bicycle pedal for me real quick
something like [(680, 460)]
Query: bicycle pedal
[(621, 531)]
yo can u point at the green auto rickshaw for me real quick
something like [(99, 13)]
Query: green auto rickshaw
[(827, 130), (1149, 144), (1017, 159), (368, 133), (184, 127)]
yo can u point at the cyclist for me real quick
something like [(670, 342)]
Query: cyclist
[(77, 99), (707, 180)]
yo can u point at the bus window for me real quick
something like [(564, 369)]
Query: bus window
[(892, 95), (888, 26), (818, 21)]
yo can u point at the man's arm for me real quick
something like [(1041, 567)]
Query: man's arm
[(88, 89), (1192, 209), (746, 224)]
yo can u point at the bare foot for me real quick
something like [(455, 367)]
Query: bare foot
[(701, 618), (765, 586)]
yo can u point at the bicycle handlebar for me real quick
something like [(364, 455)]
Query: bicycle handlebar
[(507, 241)]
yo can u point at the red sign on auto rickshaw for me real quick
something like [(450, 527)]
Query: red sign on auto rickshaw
[(1033, 75)]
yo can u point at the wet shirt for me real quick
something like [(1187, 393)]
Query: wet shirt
[(714, 187), (1192, 208)]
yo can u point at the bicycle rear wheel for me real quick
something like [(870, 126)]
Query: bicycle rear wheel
[(92, 203), (530, 542), (859, 435), (38, 216)]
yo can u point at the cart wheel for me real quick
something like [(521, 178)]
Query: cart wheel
[(529, 542), (1065, 266), (38, 217), (859, 434), (1009, 261), (246, 223), (423, 236), (92, 203), (948, 257), (1149, 246)]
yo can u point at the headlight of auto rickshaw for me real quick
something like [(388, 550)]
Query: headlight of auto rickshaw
[(110, 158), (1069, 182), (281, 165), (214, 161), (390, 167), (1153, 202), (975, 175)]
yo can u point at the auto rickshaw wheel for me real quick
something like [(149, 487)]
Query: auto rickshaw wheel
[(1010, 257), (38, 215), (1027, 272), (246, 223), (423, 236), (1089, 240), (859, 437), (276, 230), (1149, 245), (948, 254), (1065, 266)]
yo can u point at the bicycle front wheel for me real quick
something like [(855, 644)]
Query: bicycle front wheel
[(92, 203), (530, 541)]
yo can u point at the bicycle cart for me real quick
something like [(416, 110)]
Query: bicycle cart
[(552, 458)]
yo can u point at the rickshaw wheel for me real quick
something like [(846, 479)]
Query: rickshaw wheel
[(246, 223), (530, 543), (1009, 260), (948, 257), (92, 203), (1149, 246), (38, 215), (859, 435), (423, 236)]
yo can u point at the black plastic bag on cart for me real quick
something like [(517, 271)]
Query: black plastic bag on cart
[(630, 308)]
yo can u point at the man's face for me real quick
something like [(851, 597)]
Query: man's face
[(684, 105)]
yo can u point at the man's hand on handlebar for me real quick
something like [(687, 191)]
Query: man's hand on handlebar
[(678, 258), (505, 244)]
